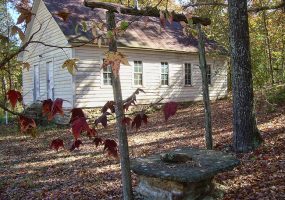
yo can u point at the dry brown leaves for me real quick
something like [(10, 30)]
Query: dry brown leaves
[(30, 170)]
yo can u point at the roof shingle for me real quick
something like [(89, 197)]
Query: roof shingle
[(138, 35)]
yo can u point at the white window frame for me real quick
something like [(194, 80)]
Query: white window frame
[(142, 73), (102, 73), (162, 85), (191, 73)]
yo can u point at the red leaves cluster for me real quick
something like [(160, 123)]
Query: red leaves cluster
[(102, 119), (56, 144), (139, 118), (47, 106), (128, 104), (56, 108), (76, 144), (127, 121), (51, 108), (109, 105), (78, 126), (26, 124), (111, 147), (98, 141), (169, 109), (76, 113), (14, 96)]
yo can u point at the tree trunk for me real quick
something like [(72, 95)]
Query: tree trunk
[(246, 136), (267, 44), (205, 86), (283, 60), (121, 130)]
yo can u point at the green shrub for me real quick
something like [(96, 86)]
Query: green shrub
[(276, 95)]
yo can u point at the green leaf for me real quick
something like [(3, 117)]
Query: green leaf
[(110, 34), (84, 26), (124, 25)]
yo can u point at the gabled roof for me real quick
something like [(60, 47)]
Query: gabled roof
[(138, 35)]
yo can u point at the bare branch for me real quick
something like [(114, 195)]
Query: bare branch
[(204, 4), (148, 11), (252, 9), (8, 110), (21, 49), (274, 7)]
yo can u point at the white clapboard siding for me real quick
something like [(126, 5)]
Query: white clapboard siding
[(90, 92), (38, 54)]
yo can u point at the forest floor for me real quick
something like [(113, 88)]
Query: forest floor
[(29, 169)]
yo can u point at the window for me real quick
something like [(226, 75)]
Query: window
[(164, 73), (138, 73), (188, 73), (107, 75), (209, 74)]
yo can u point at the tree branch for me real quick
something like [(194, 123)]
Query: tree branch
[(274, 7), (148, 11), (8, 110), (253, 9), (204, 4), (21, 49)]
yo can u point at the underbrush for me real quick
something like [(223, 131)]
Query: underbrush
[(270, 98), (276, 95)]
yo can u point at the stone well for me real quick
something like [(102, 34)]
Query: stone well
[(185, 174)]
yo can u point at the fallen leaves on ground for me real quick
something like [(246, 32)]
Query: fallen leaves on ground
[(29, 169)]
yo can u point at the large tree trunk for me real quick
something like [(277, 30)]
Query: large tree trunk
[(205, 86), (121, 130), (246, 136)]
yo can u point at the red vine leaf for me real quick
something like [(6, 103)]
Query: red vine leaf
[(91, 132), (56, 144), (14, 96), (169, 109), (109, 105), (128, 104), (47, 106), (56, 108), (26, 124), (76, 113), (102, 119), (98, 141), (111, 147), (139, 118), (127, 121), (76, 144), (64, 15), (78, 126)]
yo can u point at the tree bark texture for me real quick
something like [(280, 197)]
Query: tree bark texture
[(205, 86), (246, 136), (121, 130)]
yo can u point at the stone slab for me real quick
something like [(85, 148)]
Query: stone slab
[(204, 164)]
